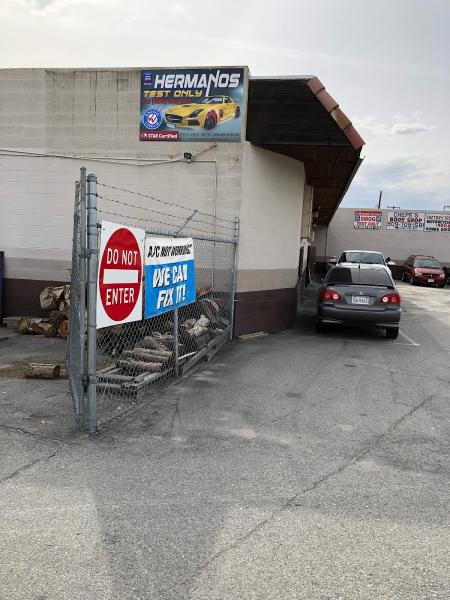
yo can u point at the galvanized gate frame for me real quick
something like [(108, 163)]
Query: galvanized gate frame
[(82, 357)]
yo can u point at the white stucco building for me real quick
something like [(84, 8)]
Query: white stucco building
[(297, 157)]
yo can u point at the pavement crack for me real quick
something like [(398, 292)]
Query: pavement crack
[(316, 484), (368, 448), (236, 542), (380, 368), (31, 464), (24, 431)]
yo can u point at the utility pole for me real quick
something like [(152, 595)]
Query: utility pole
[(379, 199)]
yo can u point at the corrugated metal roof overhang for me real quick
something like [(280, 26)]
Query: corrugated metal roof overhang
[(298, 118)]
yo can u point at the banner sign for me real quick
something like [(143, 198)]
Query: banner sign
[(169, 274), (119, 282), (437, 222), (406, 220), (367, 219), (192, 105)]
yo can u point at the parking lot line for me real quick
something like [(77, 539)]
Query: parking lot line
[(411, 341)]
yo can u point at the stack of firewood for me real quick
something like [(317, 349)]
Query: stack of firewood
[(152, 354), (155, 353), (55, 301)]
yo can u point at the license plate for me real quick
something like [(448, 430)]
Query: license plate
[(431, 281), (360, 299)]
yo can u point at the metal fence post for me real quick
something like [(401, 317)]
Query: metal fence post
[(175, 342), (92, 249), (82, 299), (235, 267)]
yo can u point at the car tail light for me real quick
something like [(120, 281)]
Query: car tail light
[(329, 296), (390, 299)]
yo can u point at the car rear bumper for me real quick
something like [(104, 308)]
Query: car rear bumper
[(425, 278), (387, 318)]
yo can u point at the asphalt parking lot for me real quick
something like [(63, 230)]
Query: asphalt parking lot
[(296, 466)]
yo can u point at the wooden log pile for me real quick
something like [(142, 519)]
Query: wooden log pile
[(55, 301), (154, 352), (143, 352), (151, 354)]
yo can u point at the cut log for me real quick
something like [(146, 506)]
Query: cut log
[(63, 329), (203, 321), (150, 342), (203, 291), (64, 306), (210, 308), (188, 323), (141, 354), (50, 297), (138, 366), (23, 324), (56, 317), (49, 329), (199, 328), (163, 354), (37, 326), (66, 292), (166, 338), (42, 371)]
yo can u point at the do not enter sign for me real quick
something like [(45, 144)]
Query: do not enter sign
[(119, 284)]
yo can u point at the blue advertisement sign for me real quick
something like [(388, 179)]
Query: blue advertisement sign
[(185, 105), (169, 274)]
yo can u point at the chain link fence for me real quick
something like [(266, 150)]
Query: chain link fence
[(128, 363), (76, 340)]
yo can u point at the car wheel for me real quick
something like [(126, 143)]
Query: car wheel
[(392, 333), (441, 285), (237, 113), (210, 121), (403, 276)]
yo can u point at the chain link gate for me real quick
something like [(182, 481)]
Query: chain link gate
[(114, 369), (76, 340)]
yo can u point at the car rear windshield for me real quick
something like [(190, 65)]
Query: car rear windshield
[(427, 263), (345, 275), (368, 258)]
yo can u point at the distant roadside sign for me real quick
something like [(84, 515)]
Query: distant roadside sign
[(367, 219), (406, 220), (437, 222)]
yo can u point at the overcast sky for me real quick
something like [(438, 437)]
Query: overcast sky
[(385, 61)]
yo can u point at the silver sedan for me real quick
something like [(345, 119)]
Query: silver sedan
[(359, 294)]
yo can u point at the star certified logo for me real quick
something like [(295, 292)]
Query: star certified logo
[(152, 118)]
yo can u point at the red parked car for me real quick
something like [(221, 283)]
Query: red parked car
[(423, 269)]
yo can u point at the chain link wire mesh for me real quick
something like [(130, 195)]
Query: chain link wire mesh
[(75, 340), (136, 360)]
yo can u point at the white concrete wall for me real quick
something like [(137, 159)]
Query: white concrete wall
[(91, 118), (396, 244), (270, 220), (320, 241)]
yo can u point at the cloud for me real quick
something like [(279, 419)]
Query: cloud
[(177, 8), (410, 128), (40, 4), (408, 182), (396, 125), (58, 6)]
